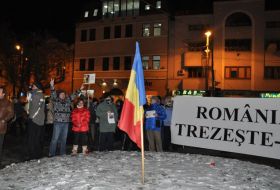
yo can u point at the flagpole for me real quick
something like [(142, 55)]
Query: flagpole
[(142, 153)]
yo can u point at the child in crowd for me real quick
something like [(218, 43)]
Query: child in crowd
[(80, 120)]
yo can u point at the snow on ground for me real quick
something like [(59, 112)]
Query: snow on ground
[(122, 170)]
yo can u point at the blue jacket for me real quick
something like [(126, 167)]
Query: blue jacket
[(168, 111), (154, 123)]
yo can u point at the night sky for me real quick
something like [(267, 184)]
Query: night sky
[(58, 17)]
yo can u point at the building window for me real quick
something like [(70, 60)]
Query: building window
[(238, 19), (157, 29), (86, 14), (91, 63), (272, 46), (107, 32), (92, 33), (238, 72), (130, 7), (82, 64), (116, 63), (158, 4), (83, 35), (146, 30), (128, 30), (272, 72), (147, 7), (118, 30), (273, 24), (198, 27), (110, 8), (196, 46), (195, 72), (156, 62), (145, 62), (105, 66), (95, 12), (238, 45), (127, 63)]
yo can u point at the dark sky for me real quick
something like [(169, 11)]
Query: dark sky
[(58, 17)]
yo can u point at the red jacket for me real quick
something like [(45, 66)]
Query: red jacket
[(80, 120)]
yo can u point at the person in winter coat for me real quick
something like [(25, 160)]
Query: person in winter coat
[(36, 121), (61, 115), (6, 113), (80, 120), (166, 124), (154, 115), (93, 124), (108, 117)]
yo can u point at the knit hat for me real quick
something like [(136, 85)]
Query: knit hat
[(38, 84)]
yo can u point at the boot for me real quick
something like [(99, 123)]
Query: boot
[(74, 150), (85, 150)]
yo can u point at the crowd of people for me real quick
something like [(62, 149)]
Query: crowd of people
[(92, 122)]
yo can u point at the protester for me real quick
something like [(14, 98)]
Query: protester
[(6, 113), (80, 119), (166, 124), (61, 118), (20, 116), (36, 120), (93, 124), (154, 115), (108, 117)]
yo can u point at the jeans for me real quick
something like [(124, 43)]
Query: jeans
[(60, 132)]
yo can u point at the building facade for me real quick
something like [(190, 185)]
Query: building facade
[(244, 46)]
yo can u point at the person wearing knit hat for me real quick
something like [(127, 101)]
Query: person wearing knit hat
[(36, 121), (61, 118), (38, 84)]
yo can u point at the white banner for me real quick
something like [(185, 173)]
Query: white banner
[(240, 125)]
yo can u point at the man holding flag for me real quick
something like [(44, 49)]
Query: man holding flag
[(131, 120)]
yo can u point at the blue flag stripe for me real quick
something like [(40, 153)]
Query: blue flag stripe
[(138, 68)]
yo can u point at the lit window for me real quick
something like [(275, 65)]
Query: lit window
[(157, 29), (86, 14), (146, 29), (147, 7), (156, 62), (95, 12), (158, 5), (105, 8), (145, 62)]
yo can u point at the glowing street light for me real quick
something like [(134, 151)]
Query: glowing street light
[(20, 48), (207, 34)]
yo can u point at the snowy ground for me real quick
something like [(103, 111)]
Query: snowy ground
[(121, 170)]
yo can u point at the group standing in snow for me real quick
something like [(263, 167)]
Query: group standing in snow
[(92, 123)]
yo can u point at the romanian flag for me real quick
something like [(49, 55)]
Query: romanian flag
[(132, 112)]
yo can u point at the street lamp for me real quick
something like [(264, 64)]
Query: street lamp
[(20, 48), (207, 34)]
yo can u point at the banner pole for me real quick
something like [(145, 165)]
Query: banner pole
[(142, 153)]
